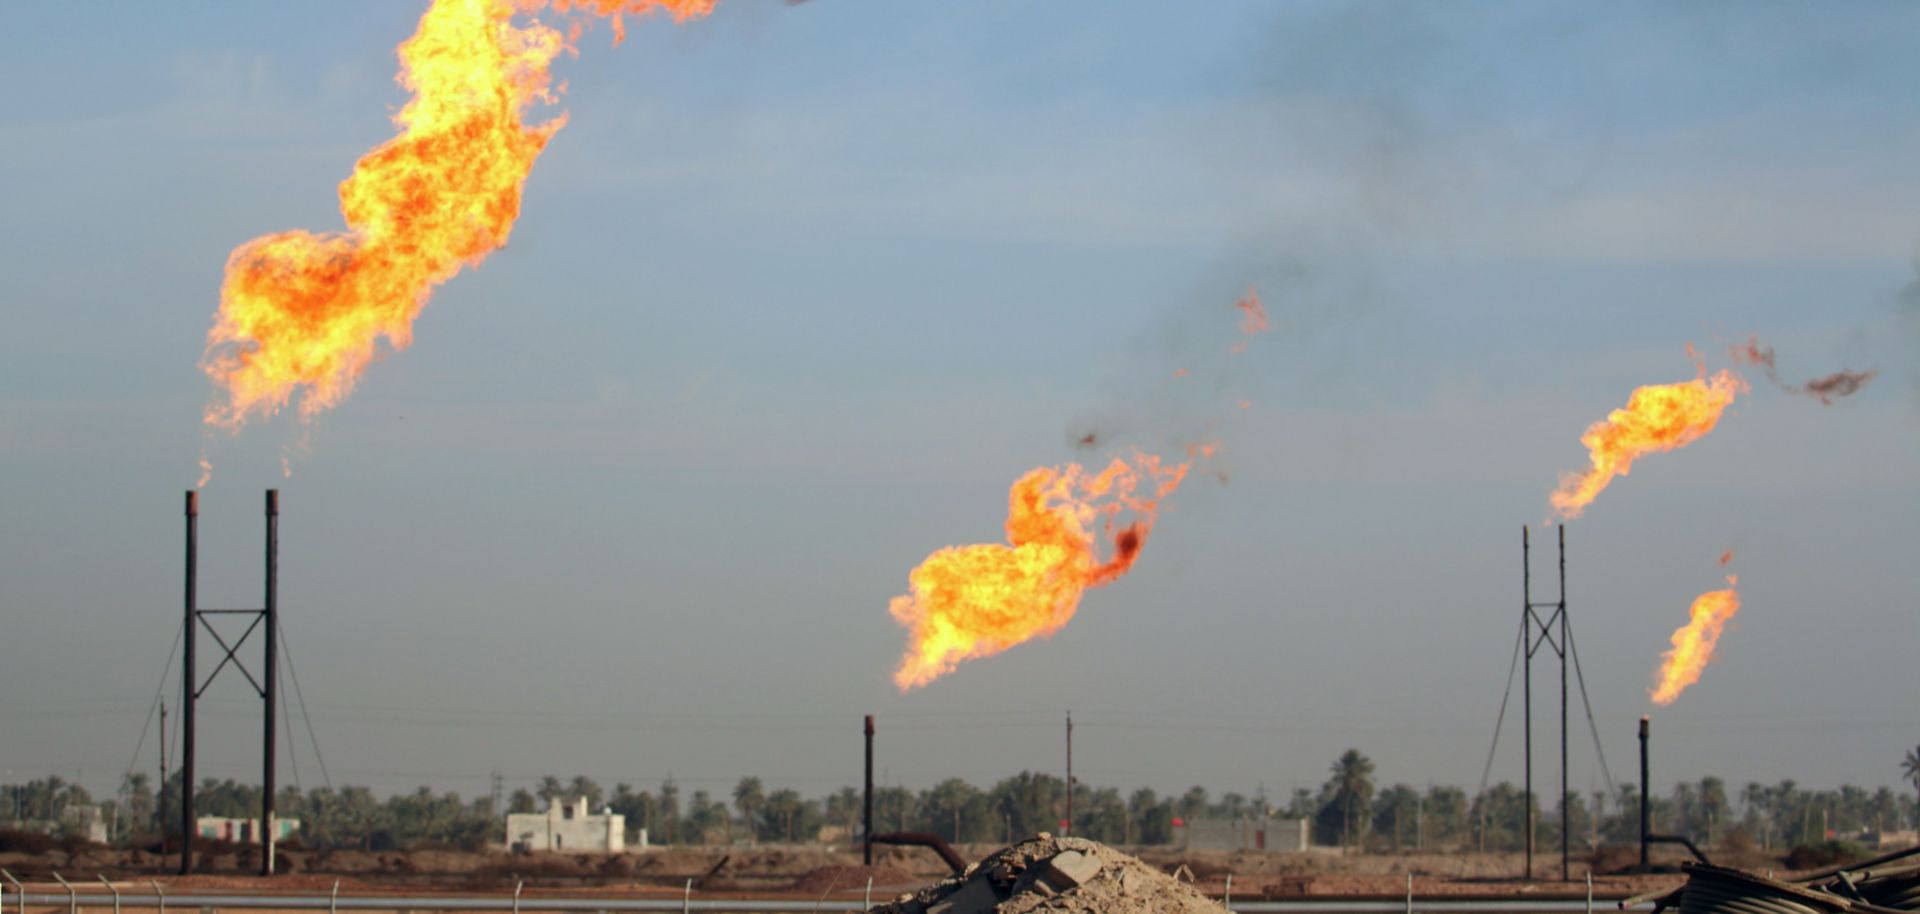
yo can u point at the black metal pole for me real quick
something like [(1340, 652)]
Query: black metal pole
[(187, 677), (1068, 830), (1526, 689), (161, 815), (1565, 799), (268, 729), (867, 837), (1645, 824)]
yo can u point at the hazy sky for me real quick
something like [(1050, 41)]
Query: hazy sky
[(799, 291)]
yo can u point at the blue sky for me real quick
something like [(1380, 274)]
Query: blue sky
[(799, 291)]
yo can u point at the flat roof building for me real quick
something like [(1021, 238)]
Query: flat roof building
[(567, 827)]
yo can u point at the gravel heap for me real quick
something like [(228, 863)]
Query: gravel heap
[(1059, 876)]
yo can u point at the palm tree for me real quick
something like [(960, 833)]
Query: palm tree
[(785, 806), (747, 797), (845, 806), (951, 797), (584, 788), (1910, 767), (1351, 785)]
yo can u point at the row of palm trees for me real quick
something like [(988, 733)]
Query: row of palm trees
[(1349, 810)]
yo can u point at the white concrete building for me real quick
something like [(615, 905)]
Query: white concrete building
[(567, 827), (1244, 834), (244, 831)]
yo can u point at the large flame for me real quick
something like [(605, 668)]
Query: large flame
[(1693, 643), (975, 601), (1659, 417), (304, 310)]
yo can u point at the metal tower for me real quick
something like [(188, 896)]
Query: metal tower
[(191, 687)]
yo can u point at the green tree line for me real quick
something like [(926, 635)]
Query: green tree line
[(1350, 809)]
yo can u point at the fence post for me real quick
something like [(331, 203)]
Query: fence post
[(73, 897), (686, 899), (517, 886), (868, 906), (110, 888), (1589, 891), (1227, 900), (157, 893), (18, 889), (1409, 893), (333, 900)]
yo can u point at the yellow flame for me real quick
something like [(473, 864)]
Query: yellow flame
[(1693, 643), (305, 312), (975, 601), (1660, 417)]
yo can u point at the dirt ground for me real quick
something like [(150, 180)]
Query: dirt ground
[(816, 870)]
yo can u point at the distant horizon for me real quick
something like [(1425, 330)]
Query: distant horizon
[(800, 291)]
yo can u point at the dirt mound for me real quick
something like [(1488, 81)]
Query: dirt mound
[(1061, 876), (850, 878)]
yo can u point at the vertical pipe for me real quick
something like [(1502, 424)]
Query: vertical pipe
[(187, 677), (1526, 738), (1644, 824), (867, 802), (1566, 800), (269, 727), (1068, 829)]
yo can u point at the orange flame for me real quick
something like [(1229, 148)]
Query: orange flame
[(1253, 319), (1693, 643), (976, 601), (1660, 417), (300, 310)]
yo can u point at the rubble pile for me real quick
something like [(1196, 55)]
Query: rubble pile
[(1887, 884), (1057, 876)]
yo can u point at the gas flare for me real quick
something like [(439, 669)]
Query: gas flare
[(1693, 643), (975, 601), (301, 311), (1659, 417)]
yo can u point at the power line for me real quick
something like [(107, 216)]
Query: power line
[(1612, 788), (1513, 665), (293, 674), (158, 693)]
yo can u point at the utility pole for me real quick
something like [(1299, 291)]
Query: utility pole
[(160, 808)]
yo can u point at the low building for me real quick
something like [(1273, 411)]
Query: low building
[(85, 822), (1246, 833), (243, 831), (1895, 840), (567, 827)]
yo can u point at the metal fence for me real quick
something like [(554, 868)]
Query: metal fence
[(153, 896)]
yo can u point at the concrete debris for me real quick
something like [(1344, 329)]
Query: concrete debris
[(1058, 876), (1069, 869)]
